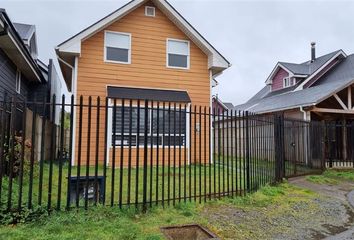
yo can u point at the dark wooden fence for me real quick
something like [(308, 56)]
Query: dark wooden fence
[(127, 152)]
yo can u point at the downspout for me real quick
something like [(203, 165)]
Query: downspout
[(306, 136), (304, 112)]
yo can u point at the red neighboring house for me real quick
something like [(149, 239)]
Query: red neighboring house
[(318, 89), (219, 106)]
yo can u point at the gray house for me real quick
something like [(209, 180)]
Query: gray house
[(318, 89), (22, 74)]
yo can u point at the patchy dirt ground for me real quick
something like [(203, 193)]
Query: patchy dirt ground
[(317, 213)]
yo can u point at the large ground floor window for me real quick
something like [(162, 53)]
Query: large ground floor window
[(166, 127)]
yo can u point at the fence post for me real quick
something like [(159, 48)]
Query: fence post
[(278, 147), (247, 153), (146, 112)]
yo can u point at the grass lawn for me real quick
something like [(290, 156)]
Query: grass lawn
[(192, 182), (332, 177), (112, 223)]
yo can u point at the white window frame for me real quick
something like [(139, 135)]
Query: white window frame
[(105, 47), (188, 57), (290, 82), (18, 82), (146, 11)]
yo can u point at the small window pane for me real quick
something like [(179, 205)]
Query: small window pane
[(117, 40), (177, 47), (117, 54), (175, 60)]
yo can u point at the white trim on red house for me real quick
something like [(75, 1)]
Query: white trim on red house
[(275, 70)]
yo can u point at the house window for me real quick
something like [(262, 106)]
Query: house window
[(288, 82), (173, 134), (178, 54), (149, 11), (18, 82), (117, 47)]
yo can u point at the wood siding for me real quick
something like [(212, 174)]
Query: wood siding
[(147, 70), (278, 79)]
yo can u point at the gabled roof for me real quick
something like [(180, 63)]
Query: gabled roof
[(14, 46), (305, 69), (72, 46), (25, 30), (301, 69), (334, 81)]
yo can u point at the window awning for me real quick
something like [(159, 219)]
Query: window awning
[(148, 94)]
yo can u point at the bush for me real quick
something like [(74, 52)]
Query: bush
[(25, 215), (17, 158)]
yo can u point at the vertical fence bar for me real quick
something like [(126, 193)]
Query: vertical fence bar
[(151, 151), (146, 115), (22, 158), (195, 153), (2, 143), (179, 151), (98, 110), (137, 156), (210, 150), (227, 153), (236, 121), (214, 152), (12, 150), (106, 149), (60, 177), (223, 152), (41, 163), (121, 157), (68, 199), (190, 152), (244, 152), (157, 150), (114, 142), (232, 153), (174, 154), (248, 152), (33, 141), (163, 153), (52, 156), (88, 149), (219, 153), (205, 155), (169, 154), (185, 154), (130, 150), (200, 154)]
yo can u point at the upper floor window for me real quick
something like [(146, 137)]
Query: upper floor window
[(18, 81), (149, 11), (117, 47), (178, 53), (288, 82)]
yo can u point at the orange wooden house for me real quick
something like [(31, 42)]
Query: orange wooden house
[(145, 50)]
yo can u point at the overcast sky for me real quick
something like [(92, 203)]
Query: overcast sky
[(252, 35)]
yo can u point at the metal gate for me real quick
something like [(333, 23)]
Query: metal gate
[(339, 144), (302, 148)]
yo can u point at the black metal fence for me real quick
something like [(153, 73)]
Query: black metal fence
[(126, 152)]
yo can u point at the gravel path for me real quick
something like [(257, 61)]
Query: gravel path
[(349, 234), (317, 216)]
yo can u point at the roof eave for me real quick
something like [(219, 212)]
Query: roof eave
[(217, 63)]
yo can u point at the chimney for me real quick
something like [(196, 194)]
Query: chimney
[(313, 51)]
